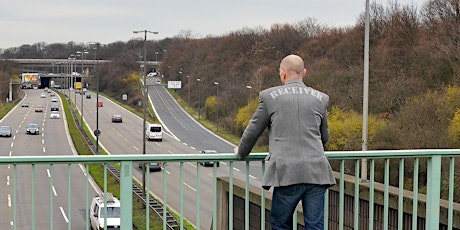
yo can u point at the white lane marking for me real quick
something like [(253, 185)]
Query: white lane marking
[(190, 187), (192, 147), (12, 144), (11, 223), (193, 165), (7, 180), (11, 153), (54, 191), (253, 177), (169, 151), (44, 149), (48, 172), (136, 148), (184, 143), (43, 141), (9, 200), (64, 215)]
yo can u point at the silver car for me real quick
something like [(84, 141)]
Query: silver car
[(209, 163), (32, 129), (5, 131)]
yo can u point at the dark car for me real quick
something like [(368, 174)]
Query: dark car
[(32, 129), (153, 166), (88, 96), (209, 163), (5, 131), (54, 108), (117, 118)]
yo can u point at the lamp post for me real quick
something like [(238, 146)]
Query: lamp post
[(217, 107), (249, 103), (82, 72), (156, 56), (144, 98), (189, 86), (97, 132), (199, 98)]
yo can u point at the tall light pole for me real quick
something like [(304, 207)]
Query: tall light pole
[(250, 89), (82, 76), (199, 98), (217, 107), (97, 132), (189, 86), (144, 98), (365, 93)]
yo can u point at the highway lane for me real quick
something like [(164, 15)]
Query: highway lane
[(52, 140)]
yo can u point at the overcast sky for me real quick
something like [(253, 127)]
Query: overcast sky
[(106, 21)]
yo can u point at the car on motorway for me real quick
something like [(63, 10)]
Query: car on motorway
[(54, 107), (152, 74), (32, 128), (55, 115), (6, 131), (39, 108), (100, 104), (154, 132), (54, 99), (25, 104), (117, 118), (97, 212), (153, 166), (88, 96), (208, 163), (43, 95)]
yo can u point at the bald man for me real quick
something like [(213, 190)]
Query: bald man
[(297, 168)]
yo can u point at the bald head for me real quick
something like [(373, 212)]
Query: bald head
[(292, 67)]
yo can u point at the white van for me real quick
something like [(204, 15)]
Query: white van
[(154, 132), (97, 211)]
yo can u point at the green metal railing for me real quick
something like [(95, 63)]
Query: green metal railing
[(435, 166)]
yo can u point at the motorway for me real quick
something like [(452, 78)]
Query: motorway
[(183, 135), (52, 140)]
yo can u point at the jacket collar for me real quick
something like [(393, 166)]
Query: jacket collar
[(293, 81)]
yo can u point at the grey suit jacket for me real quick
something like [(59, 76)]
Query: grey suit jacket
[(297, 120)]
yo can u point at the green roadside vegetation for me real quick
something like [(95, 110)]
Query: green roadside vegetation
[(97, 172), (5, 108)]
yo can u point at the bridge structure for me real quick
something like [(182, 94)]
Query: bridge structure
[(65, 72), (66, 65)]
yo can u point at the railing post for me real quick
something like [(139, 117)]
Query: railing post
[(433, 192), (126, 194)]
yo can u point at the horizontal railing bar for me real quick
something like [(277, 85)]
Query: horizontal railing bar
[(339, 155)]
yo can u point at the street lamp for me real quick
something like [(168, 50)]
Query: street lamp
[(199, 98), (144, 103), (97, 132), (249, 87), (156, 56), (217, 107), (82, 72), (189, 86)]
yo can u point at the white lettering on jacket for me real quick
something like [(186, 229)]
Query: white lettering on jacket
[(295, 90)]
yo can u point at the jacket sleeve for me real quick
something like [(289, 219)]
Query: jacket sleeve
[(324, 128), (255, 128)]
